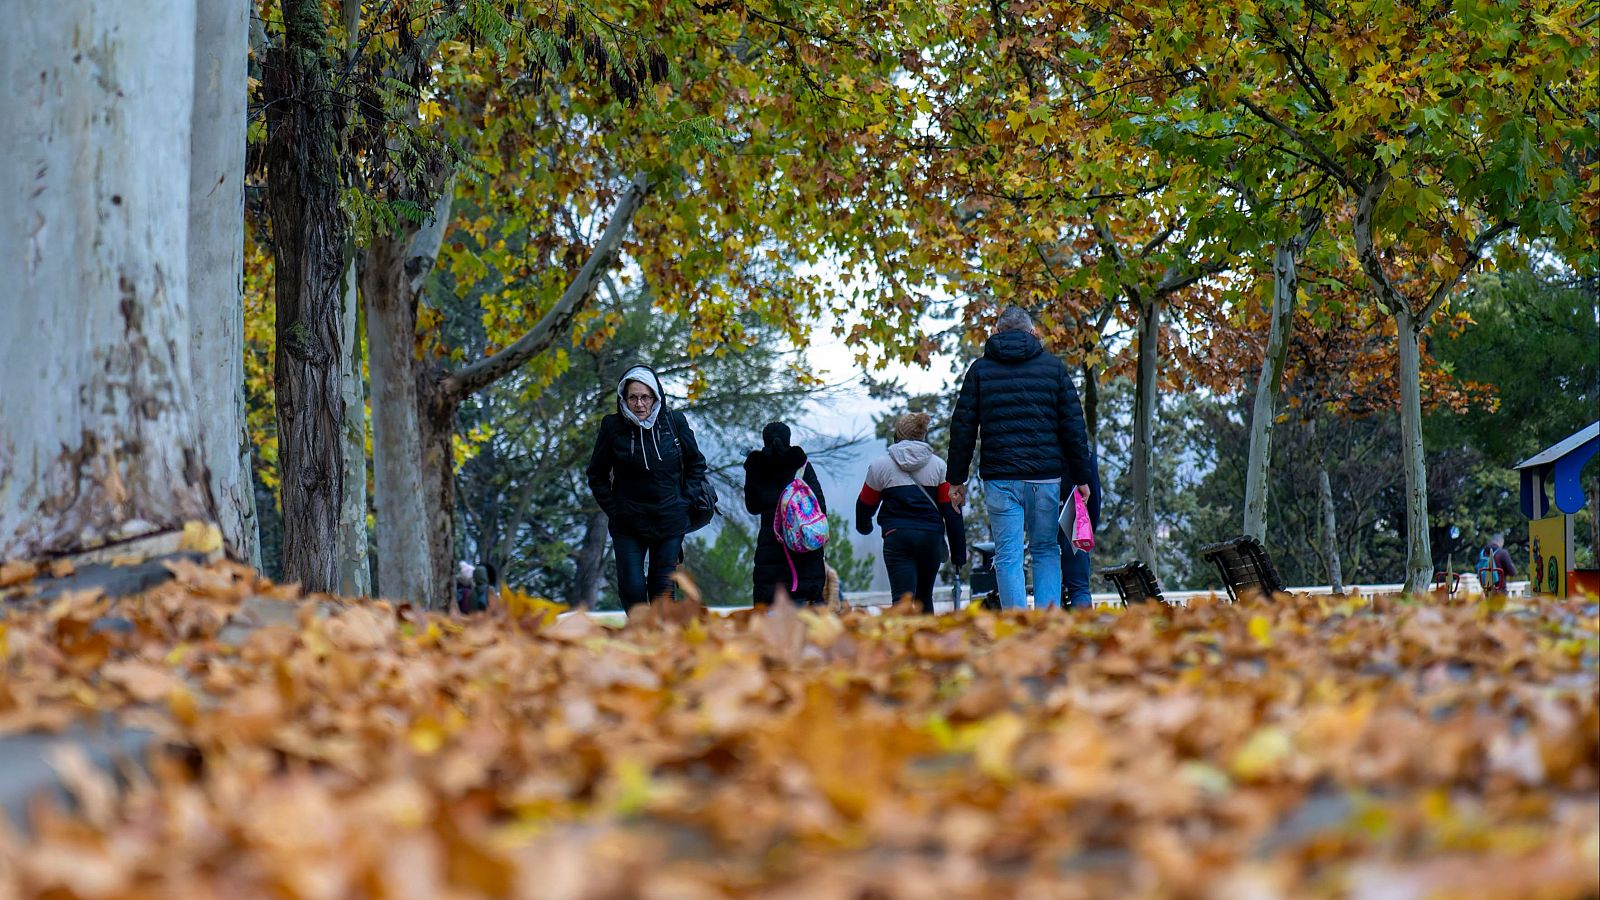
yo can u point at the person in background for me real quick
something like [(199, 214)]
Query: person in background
[(1021, 402), (1077, 565), (1495, 568), (767, 472), (464, 575), (644, 457), (907, 492)]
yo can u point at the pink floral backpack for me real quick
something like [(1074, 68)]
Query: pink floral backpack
[(799, 522)]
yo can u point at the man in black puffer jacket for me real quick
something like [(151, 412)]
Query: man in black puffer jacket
[(1021, 401)]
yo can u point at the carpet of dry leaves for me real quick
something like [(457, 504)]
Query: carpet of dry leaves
[(1313, 746)]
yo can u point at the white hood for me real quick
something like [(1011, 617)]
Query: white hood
[(647, 377), (910, 455)]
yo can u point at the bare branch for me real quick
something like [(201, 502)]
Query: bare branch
[(1474, 253), (485, 372)]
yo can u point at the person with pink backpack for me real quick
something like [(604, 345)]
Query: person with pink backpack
[(781, 487)]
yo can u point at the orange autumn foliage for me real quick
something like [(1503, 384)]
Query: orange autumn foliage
[(331, 748)]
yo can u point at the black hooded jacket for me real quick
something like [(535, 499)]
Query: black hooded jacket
[(1022, 402), (637, 475), (766, 474)]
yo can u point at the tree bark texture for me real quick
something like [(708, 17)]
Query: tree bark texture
[(395, 269), (309, 231), (1145, 400), (1413, 460), (1263, 417), (355, 574), (1091, 404), (1330, 530), (216, 267), (591, 559), (1594, 521), (438, 418), (98, 434)]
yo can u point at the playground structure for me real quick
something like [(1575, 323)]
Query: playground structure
[(1550, 525)]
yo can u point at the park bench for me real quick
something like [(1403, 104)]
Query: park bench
[(1245, 568), (984, 587), (1135, 583)]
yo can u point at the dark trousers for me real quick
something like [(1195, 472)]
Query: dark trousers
[(1076, 568), (1076, 565), (632, 554), (912, 558)]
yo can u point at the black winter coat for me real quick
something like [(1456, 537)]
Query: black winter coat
[(638, 475), (765, 477), (1022, 402)]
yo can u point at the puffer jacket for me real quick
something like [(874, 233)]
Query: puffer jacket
[(637, 475), (906, 489), (1022, 403)]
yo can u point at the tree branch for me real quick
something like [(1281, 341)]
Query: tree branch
[(555, 323), (1368, 254), (1323, 160), (1474, 253), (1173, 280)]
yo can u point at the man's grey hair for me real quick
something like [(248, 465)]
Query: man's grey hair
[(1014, 318), (1498, 539)]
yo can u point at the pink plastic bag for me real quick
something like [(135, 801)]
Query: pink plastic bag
[(1082, 528)]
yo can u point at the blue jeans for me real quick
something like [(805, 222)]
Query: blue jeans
[(638, 584), (1016, 507)]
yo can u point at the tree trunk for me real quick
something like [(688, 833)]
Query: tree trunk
[(1263, 417), (1594, 523), (216, 268), (1419, 556), (398, 486), (98, 434), (1091, 404), (1330, 531), (1330, 520), (395, 269), (591, 559), (355, 577), (309, 231), (1144, 416), (438, 418)]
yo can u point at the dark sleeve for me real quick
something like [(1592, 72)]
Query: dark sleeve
[(694, 462), (1094, 490), (866, 508), (599, 472), (753, 503), (1072, 432), (964, 428), (1506, 563), (955, 528), (816, 487)]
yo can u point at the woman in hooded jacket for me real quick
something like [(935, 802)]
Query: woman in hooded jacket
[(766, 473), (644, 458), (907, 492)]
